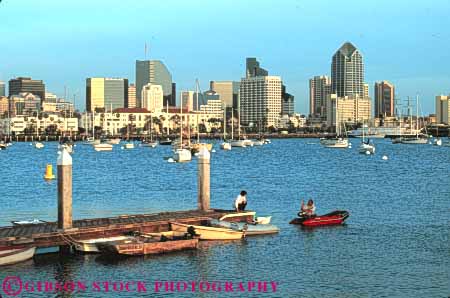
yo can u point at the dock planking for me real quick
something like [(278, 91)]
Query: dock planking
[(47, 234)]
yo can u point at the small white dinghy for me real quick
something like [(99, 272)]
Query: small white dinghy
[(16, 255), (90, 245)]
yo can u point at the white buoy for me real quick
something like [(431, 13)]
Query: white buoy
[(385, 157), (213, 151), (170, 160), (367, 152), (122, 148), (196, 154)]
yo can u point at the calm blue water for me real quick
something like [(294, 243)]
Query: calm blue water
[(395, 244)]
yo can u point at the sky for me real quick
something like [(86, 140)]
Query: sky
[(65, 42)]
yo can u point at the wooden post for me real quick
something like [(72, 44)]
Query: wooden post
[(64, 190), (204, 164)]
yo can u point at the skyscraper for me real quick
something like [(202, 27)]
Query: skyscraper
[(131, 96), (260, 101), (347, 71), (443, 109), (228, 92), (319, 89), (384, 99), (2, 89), (24, 85), (253, 69), (287, 103), (106, 93), (366, 90), (153, 72)]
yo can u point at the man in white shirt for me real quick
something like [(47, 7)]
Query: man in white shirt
[(241, 201)]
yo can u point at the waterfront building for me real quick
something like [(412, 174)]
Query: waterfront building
[(38, 124), (319, 90), (106, 93), (228, 92), (292, 121), (26, 85), (443, 109), (189, 99), (117, 122), (347, 72), (152, 98), (253, 69), (2, 89), (214, 108), (384, 99), (154, 72), (24, 104), (260, 101), (352, 109), (131, 103), (50, 97), (4, 106)]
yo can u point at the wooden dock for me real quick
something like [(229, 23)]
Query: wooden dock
[(48, 235)]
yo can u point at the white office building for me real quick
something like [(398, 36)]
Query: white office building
[(152, 98)]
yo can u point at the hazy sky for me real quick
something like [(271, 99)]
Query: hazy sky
[(63, 42)]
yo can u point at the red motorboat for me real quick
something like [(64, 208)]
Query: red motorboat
[(333, 218)]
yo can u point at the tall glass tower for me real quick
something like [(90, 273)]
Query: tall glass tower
[(152, 72), (347, 72)]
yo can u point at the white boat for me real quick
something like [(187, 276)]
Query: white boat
[(208, 233), (334, 142), (115, 141), (103, 147), (27, 222), (16, 255), (151, 144), (3, 146), (248, 143), (366, 148), (248, 228), (414, 141), (91, 244), (263, 220), (129, 146), (182, 155), (238, 216), (39, 145), (225, 146), (238, 143), (258, 143)]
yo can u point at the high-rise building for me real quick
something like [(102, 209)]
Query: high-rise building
[(347, 72), (173, 99), (106, 93), (384, 99), (2, 89), (24, 85), (443, 109), (4, 106), (188, 100), (153, 72), (319, 89), (131, 96), (152, 98), (228, 92), (253, 69), (260, 101), (351, 109), (287, 103), (366, 90)]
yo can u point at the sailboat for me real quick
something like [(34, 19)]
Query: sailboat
[(128, 144), (338, 141), (150, 143), (366, 147), (167, 140), (238, 142), (92, 140), (417, 140), (195, 147), (225, 144), (181, 154)]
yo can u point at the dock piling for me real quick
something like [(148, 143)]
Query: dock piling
[(64, 190), (204, 165)]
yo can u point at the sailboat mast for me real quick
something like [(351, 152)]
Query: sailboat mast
[(167, 116), (181, 128), (232, 124), (417, 115), (196, 92), (224, 122)]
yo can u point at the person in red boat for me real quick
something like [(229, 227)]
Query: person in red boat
[(308, 210)]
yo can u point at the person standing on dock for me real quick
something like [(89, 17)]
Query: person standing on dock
[(241, 201)]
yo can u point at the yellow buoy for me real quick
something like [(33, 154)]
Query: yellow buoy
[(49, 172)]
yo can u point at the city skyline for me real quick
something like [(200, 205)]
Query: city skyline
[(84, 43)]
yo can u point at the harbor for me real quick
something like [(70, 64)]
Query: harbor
[(138, 189)]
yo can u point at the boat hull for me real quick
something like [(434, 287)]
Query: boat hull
[(334, 218), (103, 147), (250, 229), (239, 143), (90, 246), (13, 256), (209, 233), (150, 248), (225, 146), (182, 155), (335, 143)]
